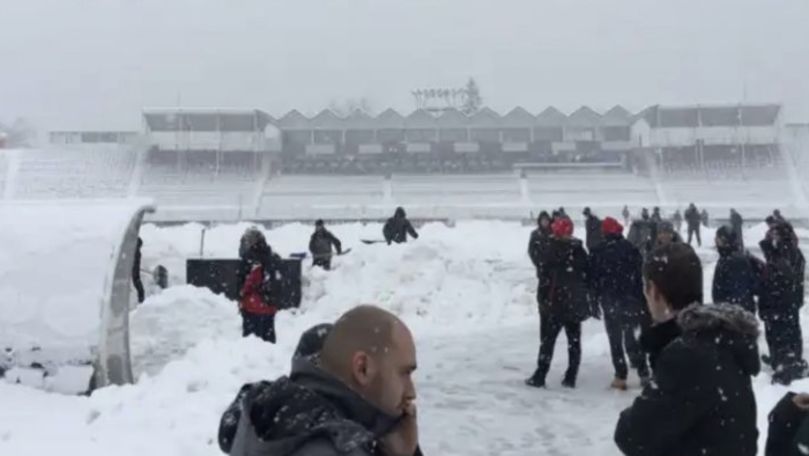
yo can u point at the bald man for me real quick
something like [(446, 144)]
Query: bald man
[(355, 398)]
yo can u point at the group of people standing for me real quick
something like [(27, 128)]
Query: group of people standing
[(575, 285), (605, 279)]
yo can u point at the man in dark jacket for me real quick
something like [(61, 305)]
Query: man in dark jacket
[(136, 281), (309, 346), (677, 219), (592, 226), (615, 268), (398, 227), (562, 213), (538, 247), (656, 216), (539, 239), (737, 225), (735, 280), (644, 214), (693, 219), (664, 234), (788, 433), (781, 300), (565, 303), (348, 400), (700, 400), (320, 246)]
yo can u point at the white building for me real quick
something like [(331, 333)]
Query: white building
[(219, 130), (723, 135), (665, 126), (90, 138)]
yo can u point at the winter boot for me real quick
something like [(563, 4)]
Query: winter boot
[(569, 381), (618, 384), (536, 381)]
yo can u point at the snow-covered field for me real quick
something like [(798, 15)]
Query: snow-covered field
[(467, 292)]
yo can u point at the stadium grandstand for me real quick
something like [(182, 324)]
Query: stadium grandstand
[(235, 164)]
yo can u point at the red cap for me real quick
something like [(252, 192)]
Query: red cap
[(611, 226), (562, 227)]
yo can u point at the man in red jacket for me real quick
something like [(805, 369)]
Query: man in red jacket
[(258, 315), (258, 278)]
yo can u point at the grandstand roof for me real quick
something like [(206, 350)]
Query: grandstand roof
[(205, 119), (294, 120), (359, 120), (584, 117), (390, 119), (485, 118), (420, 118), (711, 116), (618, 116), (452, 118), (551, 117), (518, 118), (327, 119)]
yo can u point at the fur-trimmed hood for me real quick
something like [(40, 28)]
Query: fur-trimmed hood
[(729, 326), (698, 317)]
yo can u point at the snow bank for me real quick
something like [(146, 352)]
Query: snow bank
[(57, 280)]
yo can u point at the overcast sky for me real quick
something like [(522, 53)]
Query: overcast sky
[(95, 63)]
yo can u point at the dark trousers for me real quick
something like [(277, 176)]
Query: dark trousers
[(785, 341), (138, 286), (323, 262), (549, 329), (692, 230), (623, 341), (262, 326)]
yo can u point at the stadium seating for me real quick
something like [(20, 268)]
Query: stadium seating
[(193, 187), (99, 172), (172, 180)]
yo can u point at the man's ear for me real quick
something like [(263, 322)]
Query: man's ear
[(363, 368)]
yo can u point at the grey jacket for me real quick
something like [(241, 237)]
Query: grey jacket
[(309, 413)]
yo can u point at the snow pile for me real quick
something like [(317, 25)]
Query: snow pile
[(56, 272), (467, 292), (476, 272)]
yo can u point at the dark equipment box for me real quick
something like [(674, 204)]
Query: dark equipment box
[(220, 276)]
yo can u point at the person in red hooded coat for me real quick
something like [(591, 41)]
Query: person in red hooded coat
[(259, 281)]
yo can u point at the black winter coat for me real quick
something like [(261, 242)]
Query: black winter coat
[(700, 400), (692, 217), (564, 268), (616, 277), (136, 260), (321, 242), (593, 228), (396, 230), (737, 223), (784, 278), (309, 413), (735, 280), (538, 243), (788, 429)]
